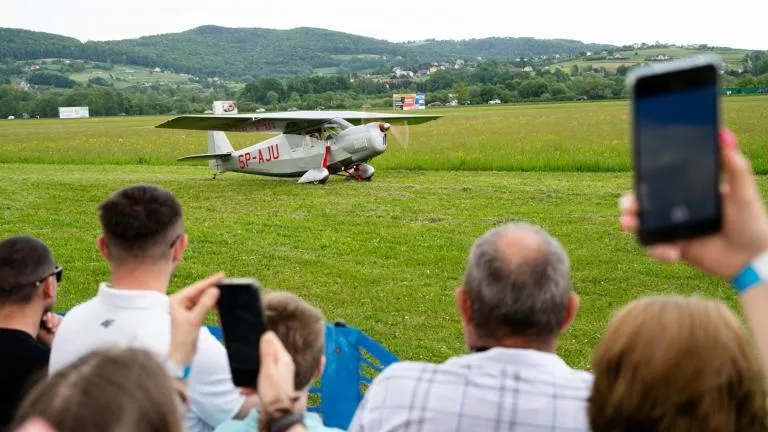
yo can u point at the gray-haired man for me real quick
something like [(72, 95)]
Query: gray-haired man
[(515, 301)]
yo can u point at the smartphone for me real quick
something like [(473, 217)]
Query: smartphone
[(242, 324), (675, 121)]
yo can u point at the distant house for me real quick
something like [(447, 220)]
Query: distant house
[(157, 69), (528, 69), (34, 67)]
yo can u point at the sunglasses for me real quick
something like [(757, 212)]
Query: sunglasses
[(57, 271)]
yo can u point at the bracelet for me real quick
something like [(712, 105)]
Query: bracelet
[(752, 275), (177, 371), (286, 422)]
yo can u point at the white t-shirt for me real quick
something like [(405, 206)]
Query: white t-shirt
[(120, 317)]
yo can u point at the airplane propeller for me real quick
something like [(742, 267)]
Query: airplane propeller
[(400, 132)]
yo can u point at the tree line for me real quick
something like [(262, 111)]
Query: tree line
[(490, 80)]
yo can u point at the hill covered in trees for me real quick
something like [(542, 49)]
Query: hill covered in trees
[(310, 68), (241, 53)]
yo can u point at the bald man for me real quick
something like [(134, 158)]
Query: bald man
[(515, 302)]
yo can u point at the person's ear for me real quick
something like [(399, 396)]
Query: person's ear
[(179, 248), (101, 244), (320, 368), (48, 289), (464, 305), (571, 308)]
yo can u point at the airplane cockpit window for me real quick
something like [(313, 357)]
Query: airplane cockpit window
[(330, 131), (334, 127), (341, 124)]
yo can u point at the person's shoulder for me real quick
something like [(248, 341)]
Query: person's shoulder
[(79, 309), (325, 429), (248, 424), (23, 348), (236, 426), (569, 372), (409, 366), (314, 423), (581, 376), (408, 370)]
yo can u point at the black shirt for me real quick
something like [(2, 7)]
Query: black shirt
[(23, 360)]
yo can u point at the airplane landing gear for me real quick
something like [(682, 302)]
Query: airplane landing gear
[(360, 172)]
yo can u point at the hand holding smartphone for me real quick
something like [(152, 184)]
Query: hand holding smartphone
[(675, 125), (242, 324)]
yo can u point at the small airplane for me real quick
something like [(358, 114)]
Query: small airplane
[(310, 145)]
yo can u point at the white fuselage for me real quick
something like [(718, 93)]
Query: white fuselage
[(292, 155)]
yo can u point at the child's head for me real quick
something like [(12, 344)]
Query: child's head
[(301, 329)]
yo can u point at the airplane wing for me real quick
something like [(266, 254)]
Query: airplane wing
[(281, 121)]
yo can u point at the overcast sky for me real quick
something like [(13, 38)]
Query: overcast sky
[(734, 23)]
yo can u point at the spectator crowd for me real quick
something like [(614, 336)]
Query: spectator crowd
[(136, 358)]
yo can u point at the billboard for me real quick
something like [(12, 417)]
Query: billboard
[(409, 101), (225, 107), (73, 112)]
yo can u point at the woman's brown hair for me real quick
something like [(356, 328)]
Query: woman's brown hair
[(676, 364), (106, 390)]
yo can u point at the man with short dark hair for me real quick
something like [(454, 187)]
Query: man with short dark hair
[(28, 282), (143, 241), (515, 302), (301, 328)]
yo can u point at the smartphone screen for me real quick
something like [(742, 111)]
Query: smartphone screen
[(242, 325), (676, 118)]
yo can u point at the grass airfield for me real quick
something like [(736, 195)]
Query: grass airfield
[(384, 255)]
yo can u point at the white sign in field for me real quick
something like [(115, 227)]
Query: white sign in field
[(225, 107), (73, 112)]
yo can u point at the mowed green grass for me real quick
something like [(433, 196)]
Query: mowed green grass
[(384, 255), (592, 137)]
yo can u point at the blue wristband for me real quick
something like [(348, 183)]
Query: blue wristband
[(746, 279), (177, 371), (753, 274)]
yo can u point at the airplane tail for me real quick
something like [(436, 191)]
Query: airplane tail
[(219, 149), (218, 143)]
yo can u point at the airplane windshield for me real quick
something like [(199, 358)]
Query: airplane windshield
[(326, 130), (334, 127), (341, 124)]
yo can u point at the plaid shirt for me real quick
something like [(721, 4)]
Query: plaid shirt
[(502, 389)]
